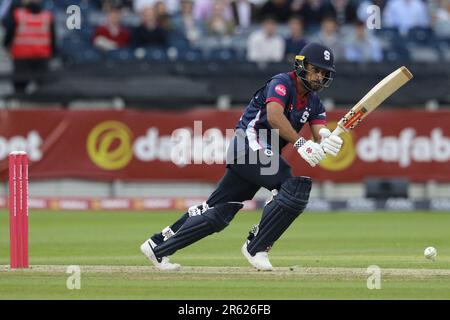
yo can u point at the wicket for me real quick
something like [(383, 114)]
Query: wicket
[(18, 209)]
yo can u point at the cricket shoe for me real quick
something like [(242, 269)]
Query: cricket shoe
[(162, 263), (260, 260)]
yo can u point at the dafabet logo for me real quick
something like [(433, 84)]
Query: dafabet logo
[(109, 145)]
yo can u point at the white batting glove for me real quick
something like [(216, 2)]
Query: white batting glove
[(310, 151), (330, 143)]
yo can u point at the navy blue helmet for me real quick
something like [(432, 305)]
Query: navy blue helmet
[(319, 56)]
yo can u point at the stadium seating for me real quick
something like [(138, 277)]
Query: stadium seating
[(156, 54), (189, 55), (443, 45), (420, 44), (396, 54), (121, 54), (420, 35), (222, 54), (388, 34)]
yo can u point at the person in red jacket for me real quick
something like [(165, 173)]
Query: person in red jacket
[(111, 35), (30, 39)]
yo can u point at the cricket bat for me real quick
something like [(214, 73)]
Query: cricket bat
[(373, 99)]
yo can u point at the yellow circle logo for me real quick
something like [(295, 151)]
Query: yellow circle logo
[(109, 145), (345, 157)]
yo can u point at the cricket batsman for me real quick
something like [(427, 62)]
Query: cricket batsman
[(273, 119)]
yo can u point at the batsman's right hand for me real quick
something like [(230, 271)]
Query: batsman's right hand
[(311, 152)]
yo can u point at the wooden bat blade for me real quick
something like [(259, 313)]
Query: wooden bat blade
[(384, 89)]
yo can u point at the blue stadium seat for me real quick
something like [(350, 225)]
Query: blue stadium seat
[(91, 55), (156, 54), (241, 54), (64, 4), (443, 45), (424, 53), (388, 34), (223, 54), (178, 41), (396, 54), (87, 32), (124, 54), (75, 50), (190, 55), (421, 35), (73, 44), (88, 55)]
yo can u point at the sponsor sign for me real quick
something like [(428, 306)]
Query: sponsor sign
[(169, 146)]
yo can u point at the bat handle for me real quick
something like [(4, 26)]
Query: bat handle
[(338, 131)]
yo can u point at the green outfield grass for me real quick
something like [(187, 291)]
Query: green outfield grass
[(323, 244)]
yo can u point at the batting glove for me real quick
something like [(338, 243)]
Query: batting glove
[(310, 151), (330, 143)]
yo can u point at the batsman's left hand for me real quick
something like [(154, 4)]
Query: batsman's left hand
[(331, 144)]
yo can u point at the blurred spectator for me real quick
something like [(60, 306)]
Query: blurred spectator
[(362, 47), (441, 19), (329, 36), (112, 35), (362, 13), (265, 45), (297, 5), (106, 4), (30, 39), (405, 14), (258, 3), (311, 11), (149, 33), (162, 15), (244, 13), (172, 6), (185, 22), (203, 9), (139, 5), (343, 11), (6, 7), (280, 9), (217, 24), (296, 40), (163, 7), (127, 4)]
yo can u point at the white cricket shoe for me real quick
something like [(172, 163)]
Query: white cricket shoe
[(260, 260), (147, 250)]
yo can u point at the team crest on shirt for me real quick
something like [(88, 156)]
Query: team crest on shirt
[(281, 90)]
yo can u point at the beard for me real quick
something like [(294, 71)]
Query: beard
[(316, 85)]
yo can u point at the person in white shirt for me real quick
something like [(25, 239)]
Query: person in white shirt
[(441, 18), (244, 13), (406, 14), (203, 9), (330, 36), (362, 46), (266, 45)]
